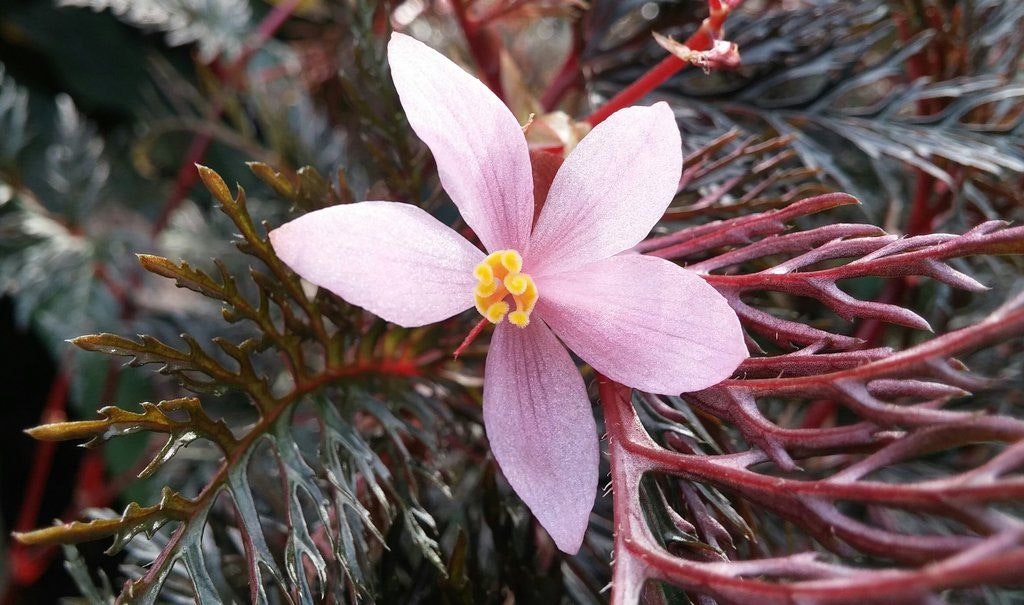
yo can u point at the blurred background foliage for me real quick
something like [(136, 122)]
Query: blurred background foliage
[(914, 106)]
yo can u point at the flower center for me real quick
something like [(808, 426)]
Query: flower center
[(499, 276)]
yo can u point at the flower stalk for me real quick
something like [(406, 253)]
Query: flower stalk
[(703, 39)]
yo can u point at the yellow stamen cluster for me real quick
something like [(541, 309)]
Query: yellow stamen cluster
[(499, 276)]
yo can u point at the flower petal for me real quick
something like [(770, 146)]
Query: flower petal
[(611, 190), (541, 428), (478, 145), (392, 259), (644, 322)]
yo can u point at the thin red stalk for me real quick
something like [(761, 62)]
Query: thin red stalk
[(639, 89), (501, 11), (703, 39), (952, 343), (55, 410), (730, 472), (489, 68), (923, 209), (818, 413), (91, 488), (625, 472), (116, 290), (184, 179), (920, 221), (477, 329), (915, 63), (563, 81), (274, 20), (25, 564), (186, 176)]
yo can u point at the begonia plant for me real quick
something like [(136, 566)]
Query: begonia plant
[(515, 307), (639, 319)]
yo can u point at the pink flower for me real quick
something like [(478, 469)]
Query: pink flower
[(640, 320)]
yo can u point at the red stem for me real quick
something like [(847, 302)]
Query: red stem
[(187, 177), (920, 221), (274, 20), (472, 30), (638, 89), (92, 489), (26, 564), (703, 39), (639, 557), (477, 329), (922, 215), (184, 179), (501, 11), (563, 81), (53, 411), (871, 332)]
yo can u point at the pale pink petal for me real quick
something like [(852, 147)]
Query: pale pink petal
[(541, 428), (478, 145), (392, 259), (611, 190), (644, 322)]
